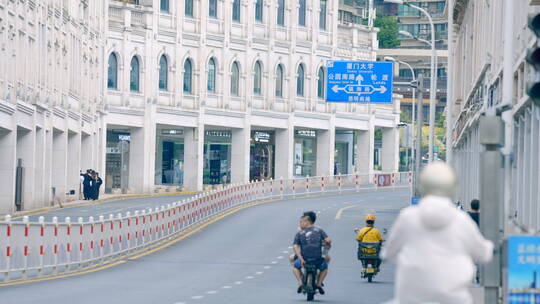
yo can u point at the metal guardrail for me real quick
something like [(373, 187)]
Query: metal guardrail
[(35, 249)]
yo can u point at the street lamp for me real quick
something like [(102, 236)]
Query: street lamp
[(433, 84), (414, 84)]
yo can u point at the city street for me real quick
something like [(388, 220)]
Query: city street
[(257, 111), (242, 258)]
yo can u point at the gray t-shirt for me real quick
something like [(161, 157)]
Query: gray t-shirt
[(310, 241)]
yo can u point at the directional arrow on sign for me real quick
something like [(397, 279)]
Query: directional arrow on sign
[(359, 89)]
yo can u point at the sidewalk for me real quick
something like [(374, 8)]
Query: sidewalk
[(477, 293), (107, 204)]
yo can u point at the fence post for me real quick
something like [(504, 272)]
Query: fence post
[(281, 186), (8, 247), (41, 221), (55, 247), (81, 245), (26, 244), (339, 183), (92, 241), (307, 185), (67, 220)]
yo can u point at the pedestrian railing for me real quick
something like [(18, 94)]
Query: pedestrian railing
[(35, 249)]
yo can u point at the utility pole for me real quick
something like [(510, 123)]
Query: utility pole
[(420, 124), (491, 196)]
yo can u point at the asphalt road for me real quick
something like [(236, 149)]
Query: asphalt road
[(239, 259), (106, 208)]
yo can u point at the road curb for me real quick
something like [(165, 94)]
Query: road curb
[(96, 203)]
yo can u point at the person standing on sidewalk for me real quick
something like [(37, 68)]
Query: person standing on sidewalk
[(87, 189), (435, 245), (475, 211), (96, 184)]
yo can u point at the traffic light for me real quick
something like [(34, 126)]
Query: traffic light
[(533, 58)]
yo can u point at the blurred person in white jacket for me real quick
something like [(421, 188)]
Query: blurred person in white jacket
[(435, 245)]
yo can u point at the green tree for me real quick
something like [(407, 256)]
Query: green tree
[(388, 31)]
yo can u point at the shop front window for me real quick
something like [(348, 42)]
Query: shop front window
[(169, 157), (117, 161), (305, 153), (262, 155), (217, 157)]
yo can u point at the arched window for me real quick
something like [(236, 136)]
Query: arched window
[(235, 79), (300, 81), (302, 13), (259, 10), (212, 75), (163, 67), (257, 78), (212, 8), (279, 81), (112, 76), (236, 10), (320, 83), (164, 6), (322, 15), (187, 76), (281, 13), (134, 75), (188, 8)]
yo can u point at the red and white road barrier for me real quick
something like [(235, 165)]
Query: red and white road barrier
[(31, 248)]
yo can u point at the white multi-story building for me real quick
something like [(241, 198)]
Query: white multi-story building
[(477, 86), (182, 94), (51, 100)]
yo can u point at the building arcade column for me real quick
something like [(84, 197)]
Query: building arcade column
[(240, 154), (390, 150), (284, 161), (8, 149), (326, 141), (365, 151), (193, 158)]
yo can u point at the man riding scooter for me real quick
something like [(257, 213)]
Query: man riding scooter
[(308, 244), (369, 242)]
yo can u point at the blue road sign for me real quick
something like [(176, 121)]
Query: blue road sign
[(523, 269), (359, 81), (415, 200)]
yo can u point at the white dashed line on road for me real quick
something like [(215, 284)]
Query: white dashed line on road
[(279, 257), (267, 267), (238, 282), (259, 272), (249, 278), (197, 297), (211, 292), (226, 287), (273, 262)]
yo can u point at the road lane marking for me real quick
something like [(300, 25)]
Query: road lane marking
[(259, 272), (273, 262), (238, 282), (279, 257), (226, 287), (340, 211), (197, 297), (211, 292), (93, 268), (249, 278)]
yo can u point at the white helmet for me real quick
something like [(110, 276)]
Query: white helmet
[(438, 179)]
